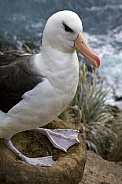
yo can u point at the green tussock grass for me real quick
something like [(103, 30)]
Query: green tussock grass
[(98, 122)]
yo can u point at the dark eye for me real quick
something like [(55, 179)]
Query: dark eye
[(68, 29)]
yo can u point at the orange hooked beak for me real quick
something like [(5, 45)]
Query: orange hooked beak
[(82, 47)]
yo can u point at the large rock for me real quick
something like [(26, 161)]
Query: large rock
[(100, 171), (68, 169)]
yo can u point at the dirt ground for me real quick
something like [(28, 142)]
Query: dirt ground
[(100, 171)]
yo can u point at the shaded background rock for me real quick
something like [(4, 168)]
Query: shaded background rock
[(67, 170), (100, 171)]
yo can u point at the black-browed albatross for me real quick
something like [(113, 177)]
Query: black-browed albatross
[(35, 89)]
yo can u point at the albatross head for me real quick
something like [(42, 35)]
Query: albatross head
[(63, 32)]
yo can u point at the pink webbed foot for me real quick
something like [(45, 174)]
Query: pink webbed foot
[(60, 138), (41, 161)]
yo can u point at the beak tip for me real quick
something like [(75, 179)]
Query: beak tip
[(97, 62)]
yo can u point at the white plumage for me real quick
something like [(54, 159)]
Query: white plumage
[(58, 66)]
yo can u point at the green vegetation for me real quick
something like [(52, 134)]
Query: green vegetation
[(100, 124)]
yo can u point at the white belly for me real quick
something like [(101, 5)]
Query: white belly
[(39, 107)]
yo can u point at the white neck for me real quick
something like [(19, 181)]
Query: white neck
[(62, 68)]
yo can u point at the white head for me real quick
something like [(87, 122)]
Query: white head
[(63, 32), (62, 29)]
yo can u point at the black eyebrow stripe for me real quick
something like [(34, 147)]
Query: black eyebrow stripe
[(68, 29)]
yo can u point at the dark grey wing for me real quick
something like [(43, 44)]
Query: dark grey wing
[(17, 76)]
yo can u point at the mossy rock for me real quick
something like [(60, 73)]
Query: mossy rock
[(68, 168)]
